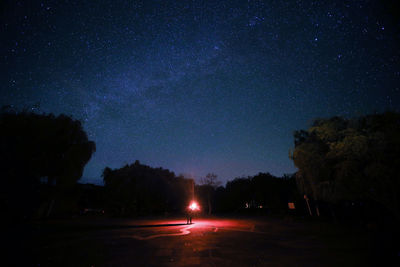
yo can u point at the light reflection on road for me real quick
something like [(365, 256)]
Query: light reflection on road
[(176, 228), (182, 231)]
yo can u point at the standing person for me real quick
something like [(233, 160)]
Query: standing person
[(189, 215), (190, 211)]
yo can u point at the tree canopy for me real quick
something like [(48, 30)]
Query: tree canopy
[(350, 159), (42, 145), (140, 189), (36, 149), (208, 185)]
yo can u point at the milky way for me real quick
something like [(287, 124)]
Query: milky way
[(199, 86)]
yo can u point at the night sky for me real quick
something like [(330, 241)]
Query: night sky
[(199, 86)]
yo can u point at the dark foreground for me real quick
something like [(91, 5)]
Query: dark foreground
[(206, 242)]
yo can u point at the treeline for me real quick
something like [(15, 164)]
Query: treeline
[(138, 189), (347, 168), (262, 194)]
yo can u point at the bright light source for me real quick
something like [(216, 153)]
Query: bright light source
[(194, 206)]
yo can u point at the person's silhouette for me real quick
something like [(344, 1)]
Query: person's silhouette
[(190, 211), (189, 215)]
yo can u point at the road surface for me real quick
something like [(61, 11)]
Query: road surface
[(171, 242)]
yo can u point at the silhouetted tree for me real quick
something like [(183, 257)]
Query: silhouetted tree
[(39, 148), (140, 189), (209, 183), (238, 193), (349, 159)]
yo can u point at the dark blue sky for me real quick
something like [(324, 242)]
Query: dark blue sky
[(199, 86)]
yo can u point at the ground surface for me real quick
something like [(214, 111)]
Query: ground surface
[(206, 242)]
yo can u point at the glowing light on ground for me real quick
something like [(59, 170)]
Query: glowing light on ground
[(177, 227)]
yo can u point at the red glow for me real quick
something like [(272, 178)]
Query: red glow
[(194, 206)]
